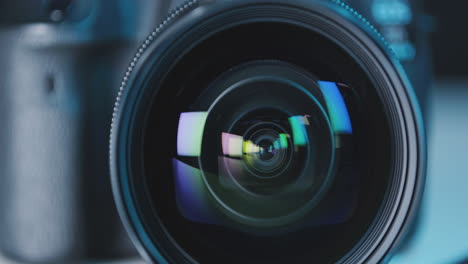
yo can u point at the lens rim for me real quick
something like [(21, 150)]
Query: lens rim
[(350, 32)]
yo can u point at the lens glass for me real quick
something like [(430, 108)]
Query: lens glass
[(263, 149), (267, 148)]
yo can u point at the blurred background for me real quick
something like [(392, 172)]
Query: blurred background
[(441, 76), (442, 231)]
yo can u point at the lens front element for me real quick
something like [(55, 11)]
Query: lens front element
[(265, 133)]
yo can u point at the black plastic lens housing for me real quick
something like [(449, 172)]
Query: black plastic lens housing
[(266, 132)]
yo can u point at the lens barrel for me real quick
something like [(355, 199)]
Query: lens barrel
[(266, 132)]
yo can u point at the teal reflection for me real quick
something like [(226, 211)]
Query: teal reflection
[(337, 110), (299, 133)]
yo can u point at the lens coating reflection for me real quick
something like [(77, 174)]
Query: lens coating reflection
[(308, 193), (264, 149)]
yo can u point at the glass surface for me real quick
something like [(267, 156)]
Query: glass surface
[(257, 155)]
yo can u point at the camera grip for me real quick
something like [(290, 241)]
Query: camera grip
[(58, 82), (56, 201)]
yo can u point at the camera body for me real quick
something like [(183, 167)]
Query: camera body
[(406, 29), (65, 61)]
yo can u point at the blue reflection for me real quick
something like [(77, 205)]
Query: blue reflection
[(337, 110)]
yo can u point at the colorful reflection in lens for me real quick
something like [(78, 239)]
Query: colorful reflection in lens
[(338, 112), (192, 197), (190, 133), (232, 144), (283, 141), (237, 146), (250, 148), (298, 126), (195, 203)]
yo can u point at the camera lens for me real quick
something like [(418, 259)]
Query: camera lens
[(265, 132), (267, 149)]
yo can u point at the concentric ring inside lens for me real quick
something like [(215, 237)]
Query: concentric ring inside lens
[(267, 150), (269, 153)]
